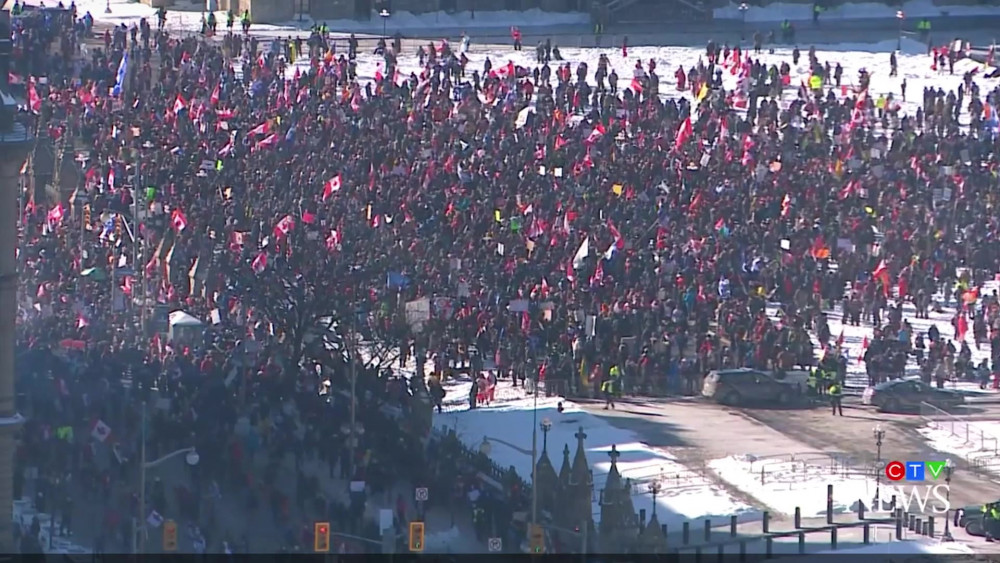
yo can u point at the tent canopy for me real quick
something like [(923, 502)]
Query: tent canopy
[(180, 318)]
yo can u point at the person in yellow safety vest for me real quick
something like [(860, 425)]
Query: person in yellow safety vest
[(610, 386), (816, 11), (245, 21), (991, 519), (835, 399), (815, 82)]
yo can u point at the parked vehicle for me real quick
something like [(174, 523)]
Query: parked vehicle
[(906, 395), (746, 386)]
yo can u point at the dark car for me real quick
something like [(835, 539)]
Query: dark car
[(740, 386), (906, 395), (971, 518)]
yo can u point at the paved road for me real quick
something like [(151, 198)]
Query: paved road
[(697, 432)]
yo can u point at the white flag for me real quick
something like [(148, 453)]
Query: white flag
[(154, 519), (581, 254), (100, 431)]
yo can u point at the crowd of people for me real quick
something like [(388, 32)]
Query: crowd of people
[(542, 223)]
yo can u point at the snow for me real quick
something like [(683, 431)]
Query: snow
[(796, 480), (914, 547), (853, 345), (977, 442), (686, 495), (188, 17), (914, 9), (24, 512)]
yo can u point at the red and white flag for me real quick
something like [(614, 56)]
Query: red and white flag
[(100, 431), (268, 142), (333, 241), (259, 263), (180, 104), (596, 134), (34, 100), (56, 214), (331, 185), (284, 226), (683, 133), (262, 129), (214, 98), (178, 220)]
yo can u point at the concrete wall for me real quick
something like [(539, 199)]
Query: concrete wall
[(270, 11), (331, 9)]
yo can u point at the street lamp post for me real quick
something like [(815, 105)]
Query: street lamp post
[(899, 39), (743, 20), (384, 14), (949, 467), (139, 542), (107, 6), (879, 435)]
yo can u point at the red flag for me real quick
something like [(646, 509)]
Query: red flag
[(596, 134), (34, 100), (308, 218), (178, 220), (333, 241), (636, 85), (179, 104), (683, 133), (331, 185), (961, 325), (268, 142), (284, 226), (262, 129), (56, 214), (214, 98), (259, 263)]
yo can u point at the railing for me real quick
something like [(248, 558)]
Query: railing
[(967, 435), (798, 468)]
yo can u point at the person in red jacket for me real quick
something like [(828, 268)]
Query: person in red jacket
[(515, 34)]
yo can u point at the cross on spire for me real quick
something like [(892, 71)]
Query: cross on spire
[(614, 454), (580, 435)]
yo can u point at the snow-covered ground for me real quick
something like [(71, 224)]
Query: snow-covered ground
[(686, 495), (978, 442), (188, 17), (24, 512), (913, 10), (893, 549), (789, 481), (855, 336)]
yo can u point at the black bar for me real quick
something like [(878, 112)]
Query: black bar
[(732, 525), (833, 538), (708, 529), (766, 521), (798, 517), (829, 504), (686, 533), (867, 534)]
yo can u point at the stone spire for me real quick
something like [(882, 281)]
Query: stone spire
[(564, 470), (581, 469)]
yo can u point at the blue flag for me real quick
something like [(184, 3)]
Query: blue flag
[(120, 78)]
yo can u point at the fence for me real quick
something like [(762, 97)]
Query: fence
[(967, 435)]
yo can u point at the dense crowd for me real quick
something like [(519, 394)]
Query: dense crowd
[(545, 223)]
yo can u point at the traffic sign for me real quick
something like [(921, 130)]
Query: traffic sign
[(421, 494), (495, 544)]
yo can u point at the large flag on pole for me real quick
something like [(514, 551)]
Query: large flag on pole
[(120, 77)]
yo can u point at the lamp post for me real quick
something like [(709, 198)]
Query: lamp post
[(899, 39), (879, 435), (743, 20), (107, 6), (384, 14), (191, 458), (654, 489), (949, 467)]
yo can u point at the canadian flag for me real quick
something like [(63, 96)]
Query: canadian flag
[(34, 100), (331, 185), (596, 134), (284, 226), (100, 431), (333, 241), (179, 104), (178, 220), (268, 142), (214, 98), (259, 263), (262, 129), (56, 214), (683, 132)]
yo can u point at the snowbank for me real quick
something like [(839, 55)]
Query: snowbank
[(976, 442), (786, 482), (914, 9), (915, 547), (686, 495)]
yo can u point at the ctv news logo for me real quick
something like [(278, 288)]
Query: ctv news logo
[(913, 497)]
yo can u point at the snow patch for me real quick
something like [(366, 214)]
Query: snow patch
[(976, 442), (686, 495), (789, 481)]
